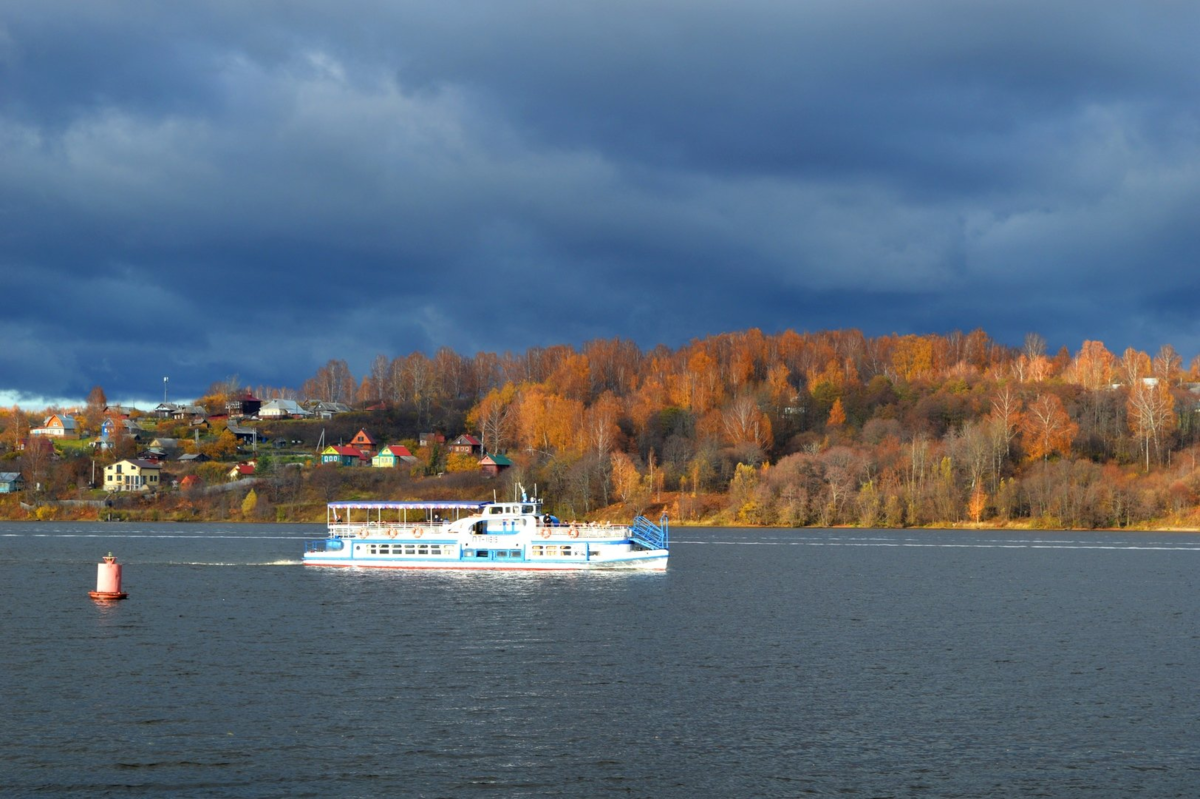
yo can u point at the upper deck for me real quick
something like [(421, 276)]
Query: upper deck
[(474, 518)]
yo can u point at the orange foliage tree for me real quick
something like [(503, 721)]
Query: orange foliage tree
[(1046, 428)]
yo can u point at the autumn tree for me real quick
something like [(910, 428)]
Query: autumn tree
[(572, 378), (837, 414), (1093, 367), (626, 480), (36, 462), (333, 382), (223, 448), (912, 357), (378, 378), (495, 417), (1168, 365), (1046, 428), (16, 428), (744, 423), (977, 504), (548, 423), (1133, 366), (220, 392), (93, 413), (423, 389), (1151, 409), (600, 426)]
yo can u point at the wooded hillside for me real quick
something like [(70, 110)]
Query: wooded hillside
[(826, 428), (809, 429)]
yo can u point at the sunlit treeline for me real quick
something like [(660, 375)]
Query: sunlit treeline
[(814, 428), (824, 428)]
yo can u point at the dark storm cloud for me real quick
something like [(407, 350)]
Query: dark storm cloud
[(253, 189)]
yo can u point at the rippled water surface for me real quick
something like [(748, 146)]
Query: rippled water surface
[(762, 663)]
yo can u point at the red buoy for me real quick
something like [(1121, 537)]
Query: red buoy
[(108, 580)]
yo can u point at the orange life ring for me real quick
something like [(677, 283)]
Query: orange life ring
[(392, 532), (573, 532), (363, 533), (418, 533), (545, 532)]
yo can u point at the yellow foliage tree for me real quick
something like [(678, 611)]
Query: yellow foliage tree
[(627, 481), (912, 357), (223, 448), (495, 417), (461, 462)]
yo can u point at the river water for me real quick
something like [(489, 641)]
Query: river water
[(762, 663)]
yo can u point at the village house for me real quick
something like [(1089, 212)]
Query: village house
[(494, 464), (342, 455), (188, 412), (111, 425), (364, 442), (326, 410), (164, 448), (164, 410), (245, 405), (392, 456), (430, 439), (11, 482), (132, 475), (242, 470), (57, 426), (282, 409), (466, 445), (244, 435)]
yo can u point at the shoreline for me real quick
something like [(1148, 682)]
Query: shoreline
[(961, 527)]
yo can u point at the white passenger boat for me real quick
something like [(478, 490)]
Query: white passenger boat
[(481, 535)]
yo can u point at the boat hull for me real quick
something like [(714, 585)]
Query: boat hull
[(655, 563)]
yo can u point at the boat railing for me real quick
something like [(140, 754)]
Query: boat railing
[(585, 530), (355, 529), (648, 534)]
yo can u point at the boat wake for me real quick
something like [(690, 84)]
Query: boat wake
[(209, 537)]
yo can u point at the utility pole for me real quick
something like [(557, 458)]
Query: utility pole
[(165, 379)]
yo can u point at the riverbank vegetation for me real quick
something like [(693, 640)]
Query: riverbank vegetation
[(831, 428)]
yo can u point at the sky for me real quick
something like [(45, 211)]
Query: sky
[(203, 190)]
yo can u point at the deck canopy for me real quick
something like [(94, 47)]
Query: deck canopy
[(407, 505)]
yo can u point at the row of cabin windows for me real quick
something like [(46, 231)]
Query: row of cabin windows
[(556, 551), (501, 554), (408, 549)]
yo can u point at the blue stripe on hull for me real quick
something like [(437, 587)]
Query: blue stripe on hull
[(515, 565)]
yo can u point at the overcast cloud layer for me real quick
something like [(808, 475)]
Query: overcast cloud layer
[(202, 190)]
